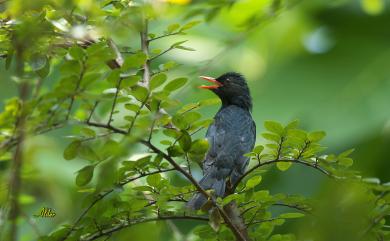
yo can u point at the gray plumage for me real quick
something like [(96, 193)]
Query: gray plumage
[(232, 134)]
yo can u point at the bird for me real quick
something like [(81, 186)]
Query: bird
[(230, 136)]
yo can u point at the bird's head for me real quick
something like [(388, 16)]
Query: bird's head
[(231, 88)]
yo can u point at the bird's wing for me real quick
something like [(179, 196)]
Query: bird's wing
[(230, 136)]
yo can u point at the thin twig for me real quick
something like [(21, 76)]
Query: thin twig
[(137, 114), (296, 206), (118, 87), (109, 231), (103, 195), (228, 221), (247, 210), (296, 160), (92, 110), (282, 160), (83, 68), (162, 53), (145, 49), (262, 221), (164, 36)]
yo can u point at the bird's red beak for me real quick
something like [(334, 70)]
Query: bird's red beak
[(216, 83)]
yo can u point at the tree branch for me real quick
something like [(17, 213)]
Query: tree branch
[(312, 165), (103, 195), (76, 89), (162, 53), (294, 206), (261, 221), (118, 62), (164, 36), (278, 159), (145, 49), (239, 236), (137, 114), (118, 87), (109, 231)]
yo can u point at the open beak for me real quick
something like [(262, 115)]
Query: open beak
[(216, 83)]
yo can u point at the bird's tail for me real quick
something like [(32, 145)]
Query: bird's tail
[(207, 182)]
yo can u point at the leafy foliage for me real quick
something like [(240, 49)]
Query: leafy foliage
[(116, 104)]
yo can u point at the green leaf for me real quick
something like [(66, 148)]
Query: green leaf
[(178, 43), (140, 93), (189, 25), (134, 61), (154, 104), (71, 150), (70, 67), (76, 52), (191, 117), (138, 204), (84, 175), (89, 78), (156, 51), (110, 148), (273, 147), (113, 76), (208, 102), (158, 159), (292, 125), (179, 122), (345, 161), (162, 95), (199, 146), (132, 107), (59, 234), (252, 182), (185, 48), (231, 197), (346, 153), (130, 81), (297, 134), (87, 153), (166, 142), (157, 80), (175, 151), (188, 107), (154, 180), (316, 136), (196, 158), (169, 65), (258, 149), (291, 215), (271, 137), (283, 166), (171, 133), (88, 132), (173, 27), (274, 127), (185, 141), (129, 118), (175, 84)]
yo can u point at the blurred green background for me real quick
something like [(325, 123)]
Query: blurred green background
[(326, 63)]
